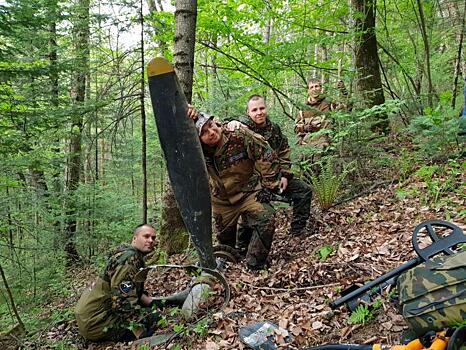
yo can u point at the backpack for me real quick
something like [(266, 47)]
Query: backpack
[(432, 295)]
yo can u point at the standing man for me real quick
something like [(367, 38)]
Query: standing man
[(292, 189), (241, 165), (115, 301), (312, 125)]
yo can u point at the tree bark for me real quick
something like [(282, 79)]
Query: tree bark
[(458, 58), (81, 41), (185, 36), (425, 40), (173, 234), (10, 296), (369, 81), (143, 123)]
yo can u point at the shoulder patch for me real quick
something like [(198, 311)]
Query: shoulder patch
[(126, 286)]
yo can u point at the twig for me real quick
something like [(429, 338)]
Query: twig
[(288, 289), (370, 340), (370, 189)]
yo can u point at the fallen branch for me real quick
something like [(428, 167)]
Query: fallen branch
[(370, 189), (290, 289)]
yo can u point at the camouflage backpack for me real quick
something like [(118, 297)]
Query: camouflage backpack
[(432, 296)]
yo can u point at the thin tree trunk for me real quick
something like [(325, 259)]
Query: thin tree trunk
[(81, 40), (422, 23), (10, 296), (143, 124), (458, 58)]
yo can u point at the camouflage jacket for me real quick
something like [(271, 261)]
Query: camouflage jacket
[(313, 123), (242, 162), (113, 300), (272, 133)]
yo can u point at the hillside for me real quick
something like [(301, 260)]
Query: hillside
[(354, 241)]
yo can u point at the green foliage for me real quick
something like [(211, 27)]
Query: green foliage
[(174, 311), (405, 163), (133, 325), (60, 315), (326, 185), (201, 327), (61, 345), (178, 327), (439, 181), (435, 131), (377, 304), (163, 322), (324, 252), (361, 314), (436, 186)]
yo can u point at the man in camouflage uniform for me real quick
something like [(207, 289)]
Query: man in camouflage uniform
[(240, 165), (312, 125), (292, 189), (106, 310)]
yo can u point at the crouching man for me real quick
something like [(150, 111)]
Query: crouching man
[(241, 166), (115, 301)]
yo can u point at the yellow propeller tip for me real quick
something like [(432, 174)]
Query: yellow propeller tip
[(158, 66)]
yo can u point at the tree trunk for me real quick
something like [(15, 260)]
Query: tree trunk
[(81, 41), (143, 124), (369, 81), (10, 296), (185, 36), (425, 40), (173, 234), (54, 98), (458, 58)]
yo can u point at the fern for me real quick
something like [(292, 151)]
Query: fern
[(360, 315), (326, 185)]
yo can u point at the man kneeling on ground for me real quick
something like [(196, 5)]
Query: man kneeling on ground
[(116, 301)]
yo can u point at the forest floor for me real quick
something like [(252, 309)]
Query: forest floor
[(363, 238)]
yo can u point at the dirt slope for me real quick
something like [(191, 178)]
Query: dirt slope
[(368, 235)]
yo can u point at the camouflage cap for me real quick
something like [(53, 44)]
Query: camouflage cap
[(201, 120)]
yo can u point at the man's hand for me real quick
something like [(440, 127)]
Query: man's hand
[(283, 185), (145, 300), (234, 124), (192, 113)]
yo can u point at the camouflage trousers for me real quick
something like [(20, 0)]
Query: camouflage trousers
[(258, 216), (299, 194)]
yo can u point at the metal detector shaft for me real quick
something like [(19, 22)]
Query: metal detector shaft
[(375, 283), (441, 243)]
